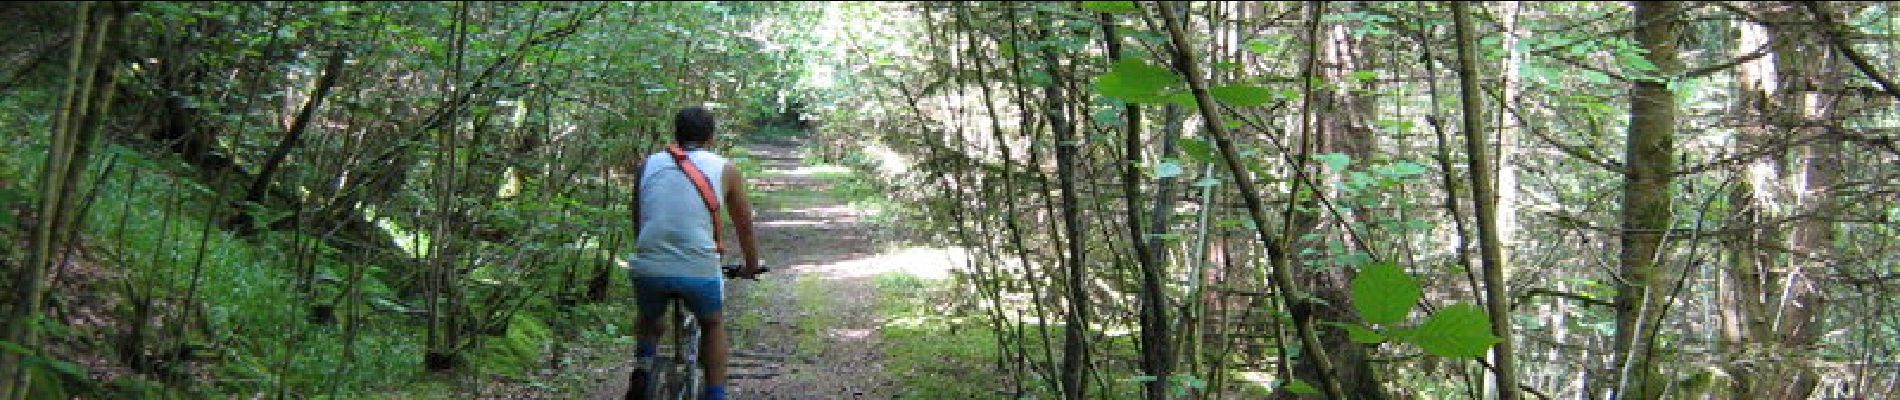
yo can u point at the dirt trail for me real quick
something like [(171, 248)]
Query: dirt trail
[(824, 254)]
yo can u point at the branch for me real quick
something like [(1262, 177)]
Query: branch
[(1826, 18), (39, 57), (1537, 292), (1705, 71)]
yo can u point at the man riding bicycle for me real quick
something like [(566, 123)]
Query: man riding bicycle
[(676, 195)]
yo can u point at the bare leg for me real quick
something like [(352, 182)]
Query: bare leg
[(646, 328), (646, 331), (712, 348)]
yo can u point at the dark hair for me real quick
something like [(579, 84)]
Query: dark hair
[(693, 125)]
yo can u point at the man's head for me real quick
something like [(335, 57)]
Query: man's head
[(693, 125)]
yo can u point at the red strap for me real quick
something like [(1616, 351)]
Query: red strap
[(705, 193)]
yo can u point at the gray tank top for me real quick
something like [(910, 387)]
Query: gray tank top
[(676, 238)]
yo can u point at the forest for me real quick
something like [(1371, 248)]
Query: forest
[(960, 200)]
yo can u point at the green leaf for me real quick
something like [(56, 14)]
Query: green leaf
[(1134, 80), (1637, 62), (1300, 387), (1110, 6), (1359, 333), (1168, 169), (1334, 160), (1109, 116), (1240, 95), (1459, 330), (8, 197), (1190, 381), (1198, 150), (1040, 78), (1384, 294), (1184, 99), (1364, 335), (1263, 46), (1404, 334), (16, 348), (1596, 77), (1407, 168)]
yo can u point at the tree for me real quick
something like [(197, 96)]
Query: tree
[(1646, 216)]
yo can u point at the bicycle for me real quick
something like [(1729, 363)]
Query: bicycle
[(678, 376)]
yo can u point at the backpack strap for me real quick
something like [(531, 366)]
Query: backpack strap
[(705, 192)]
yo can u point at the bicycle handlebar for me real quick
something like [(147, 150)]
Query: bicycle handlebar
[(731, 271)]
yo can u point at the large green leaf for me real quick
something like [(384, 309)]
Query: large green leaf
[(1240, 95), (1197, 150), (1384, 294), (1459, 330), (1136, 81), (1110, 6), (1358, 333), (1300, 387)]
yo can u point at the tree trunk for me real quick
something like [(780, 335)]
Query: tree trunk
[(1282, 267), (1484, 194), (1648, 176), (261, 183), (1075, 325), (1772, 306), (1156, 350), (1344, 110), (87, 101)]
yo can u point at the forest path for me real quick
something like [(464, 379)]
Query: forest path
[(809, 329)]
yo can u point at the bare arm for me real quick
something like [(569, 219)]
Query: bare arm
[(639, 167), (740, 209)]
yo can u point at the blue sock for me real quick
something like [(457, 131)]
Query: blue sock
[(716, 392), (646, 350)]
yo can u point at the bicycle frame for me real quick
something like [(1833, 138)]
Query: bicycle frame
[(679, 376)]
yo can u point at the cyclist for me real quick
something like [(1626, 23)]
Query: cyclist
[(679, 248)]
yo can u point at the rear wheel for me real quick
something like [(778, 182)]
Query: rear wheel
[(646, 386), (683, 379), (695, 374)]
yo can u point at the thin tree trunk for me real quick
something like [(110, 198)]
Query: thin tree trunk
[(1746, 278), (1282, 268), (1156, 349), (1075, 363), (1800, 310), (990, 284), (1648, 177), (1490, 251), (86, 103), (260, 184)]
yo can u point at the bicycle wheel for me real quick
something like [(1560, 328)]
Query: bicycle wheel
[(695, 375), (680, 371), (666, 374), (649, 389)]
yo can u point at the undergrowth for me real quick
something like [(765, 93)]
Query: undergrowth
[(148, 236)]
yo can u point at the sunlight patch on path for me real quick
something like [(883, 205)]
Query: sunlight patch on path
[(852, 334), (933, 263), (808, 170)]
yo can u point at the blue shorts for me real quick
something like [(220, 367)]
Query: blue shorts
[(703, 296)]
